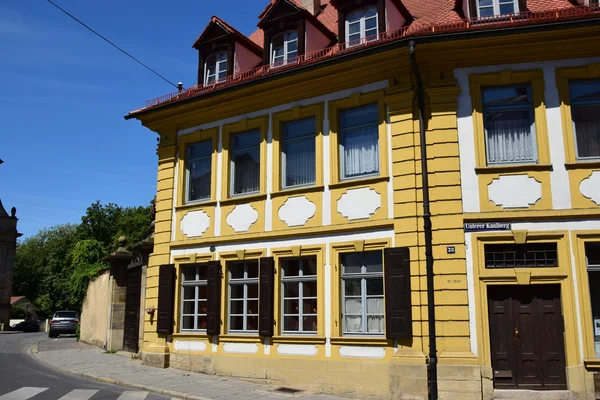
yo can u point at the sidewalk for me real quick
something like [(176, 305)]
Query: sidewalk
[(93, 363)]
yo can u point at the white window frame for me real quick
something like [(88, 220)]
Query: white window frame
[(220, 68), (530, 107), (363, 276), (362, 22), (196, 284), (301, 279), (295, 139), (235, 151), (285, 59), (574, 104), (188, 162), (245, 281), (496, 7)]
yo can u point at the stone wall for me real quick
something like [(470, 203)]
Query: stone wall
[(95, 312)]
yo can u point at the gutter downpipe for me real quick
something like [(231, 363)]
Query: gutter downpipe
[(432, 365)]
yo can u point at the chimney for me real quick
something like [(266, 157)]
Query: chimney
[(313, 6)]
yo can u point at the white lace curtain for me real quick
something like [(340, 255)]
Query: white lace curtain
[(354, 311), (361, 151), (510, 137)]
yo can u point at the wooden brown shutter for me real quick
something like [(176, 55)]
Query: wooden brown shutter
[(166, 299), (213, 314), (266, 296), (398, 311)]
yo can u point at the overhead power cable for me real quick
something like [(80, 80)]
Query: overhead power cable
[(112, 44)]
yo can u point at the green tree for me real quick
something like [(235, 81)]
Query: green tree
[(87, 255)]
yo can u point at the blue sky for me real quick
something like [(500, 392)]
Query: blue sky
[(64, 92)]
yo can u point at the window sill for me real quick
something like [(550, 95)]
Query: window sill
[(231, 338), (194, 335), (299, 190), (362, 340), (200, 204), (583, 165), (360, 181), (592, 364), (513, 168), (298, 339), (243, 199)]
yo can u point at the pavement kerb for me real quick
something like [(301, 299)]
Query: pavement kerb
[(105, 379)]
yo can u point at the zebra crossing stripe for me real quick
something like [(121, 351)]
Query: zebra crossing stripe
[(79, 394), (23, 394), (132, 396)]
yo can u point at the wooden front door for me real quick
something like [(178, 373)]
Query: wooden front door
[(132, 310), (526, 336)]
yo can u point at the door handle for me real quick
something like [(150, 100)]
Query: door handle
[(516, 332)]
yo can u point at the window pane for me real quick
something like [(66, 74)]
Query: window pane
[(291, 289), (299, 128), (371, 12), (189, 307), (592, 253), (355, 17), (237, 270), (507, 8), (375, 324), (252, 307), (291, 324), (291, 268), (352, 263), (188, 273), (200, 149), (309, 324), (370, 24), (237, 291), (310, 289), (484, 3), (585, 111), (202, 292), (354, 29), (375, 287), (506, 95), (375, 306), (309, 306), (310, 267), (360, 115), (353, 306), (252, 269), (252, 291), (246, 171), (298, 159), (237, 307), (188, 323), (201, 322), (189, 292), (373, 261), (486, 11), (291, 307), (199, 165), (352, 287), (202, 307), (252, 323), (353, 324), (236, 323), (359, 141)]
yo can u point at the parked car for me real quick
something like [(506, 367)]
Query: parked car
[(63, 323), (28, 325)]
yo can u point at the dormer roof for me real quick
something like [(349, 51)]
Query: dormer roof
[(280, 9), (218, 30)]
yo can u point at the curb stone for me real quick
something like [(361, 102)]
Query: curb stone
[(105, 379)]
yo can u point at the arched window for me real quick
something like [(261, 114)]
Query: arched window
[(215, 68), (284, 48), (362, 25)]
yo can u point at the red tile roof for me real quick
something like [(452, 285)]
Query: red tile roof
[(14, 299), (430, 17)]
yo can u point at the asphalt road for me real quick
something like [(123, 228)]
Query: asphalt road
[(22, 377)]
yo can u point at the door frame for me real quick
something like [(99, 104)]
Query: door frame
[(562, 275)]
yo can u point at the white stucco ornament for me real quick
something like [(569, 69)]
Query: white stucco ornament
[(359, 203), (185, 345), (297, 350), (242, 217), (362, 352), (590, 187), (195, 223), (296, 211), (515, 191)]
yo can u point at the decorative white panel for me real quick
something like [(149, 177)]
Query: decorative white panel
[(244, 348), (184, 345), (296, 211), (590, 187), (515, 191), (242, 217), (362, 352), (359, 203), (297, 350), (195, 223)]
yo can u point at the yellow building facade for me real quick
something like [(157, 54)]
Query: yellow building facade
[(246, 231)]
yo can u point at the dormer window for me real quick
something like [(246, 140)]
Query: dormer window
[(490, 8), (362, 25), (215, 68), (284, 48)]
